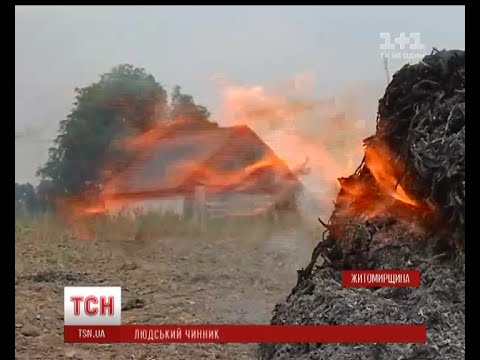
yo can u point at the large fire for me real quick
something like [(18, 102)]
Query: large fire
[(380, 163), (381, 192), (296, 127)]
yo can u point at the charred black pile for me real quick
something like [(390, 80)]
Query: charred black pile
[(422, 119), (421, 125)]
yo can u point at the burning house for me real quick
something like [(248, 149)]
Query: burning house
[(206, 172)]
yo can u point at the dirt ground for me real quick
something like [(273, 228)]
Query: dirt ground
[(171, 280)]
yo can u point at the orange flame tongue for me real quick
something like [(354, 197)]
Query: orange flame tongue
[(379, 194), (380, 162)]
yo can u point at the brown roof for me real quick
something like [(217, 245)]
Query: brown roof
[(218, 158)]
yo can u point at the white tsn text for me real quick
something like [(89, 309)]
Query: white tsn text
[(92, 305)]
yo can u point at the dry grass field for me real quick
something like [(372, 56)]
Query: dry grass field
[(171, 272)]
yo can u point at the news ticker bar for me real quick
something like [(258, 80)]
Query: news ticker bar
[(246, 334)]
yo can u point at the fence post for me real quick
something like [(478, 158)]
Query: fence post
[(199, 200)]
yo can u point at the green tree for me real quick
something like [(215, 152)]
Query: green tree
[(26, 201), (124, 101), (184, 108), (46, 195)]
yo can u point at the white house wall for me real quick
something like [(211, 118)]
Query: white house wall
[(142, 206), (237, 204), (214, 205)]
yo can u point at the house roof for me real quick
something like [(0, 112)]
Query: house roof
[(220, 158)]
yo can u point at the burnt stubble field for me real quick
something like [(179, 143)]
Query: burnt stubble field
[(180, 274)]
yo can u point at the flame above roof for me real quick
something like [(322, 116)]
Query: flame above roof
[(221, 158)]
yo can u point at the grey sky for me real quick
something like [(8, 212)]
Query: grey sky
[(60, 48)]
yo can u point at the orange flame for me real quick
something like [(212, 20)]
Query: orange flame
[(360, 196), (109, 199), (380, 163), (296, 126)]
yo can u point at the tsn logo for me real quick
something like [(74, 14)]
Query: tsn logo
[(92, 305)]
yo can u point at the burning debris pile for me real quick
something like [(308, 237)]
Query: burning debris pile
[(422, 119), (387, 216)]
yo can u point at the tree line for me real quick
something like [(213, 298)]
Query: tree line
[(125, 101)]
